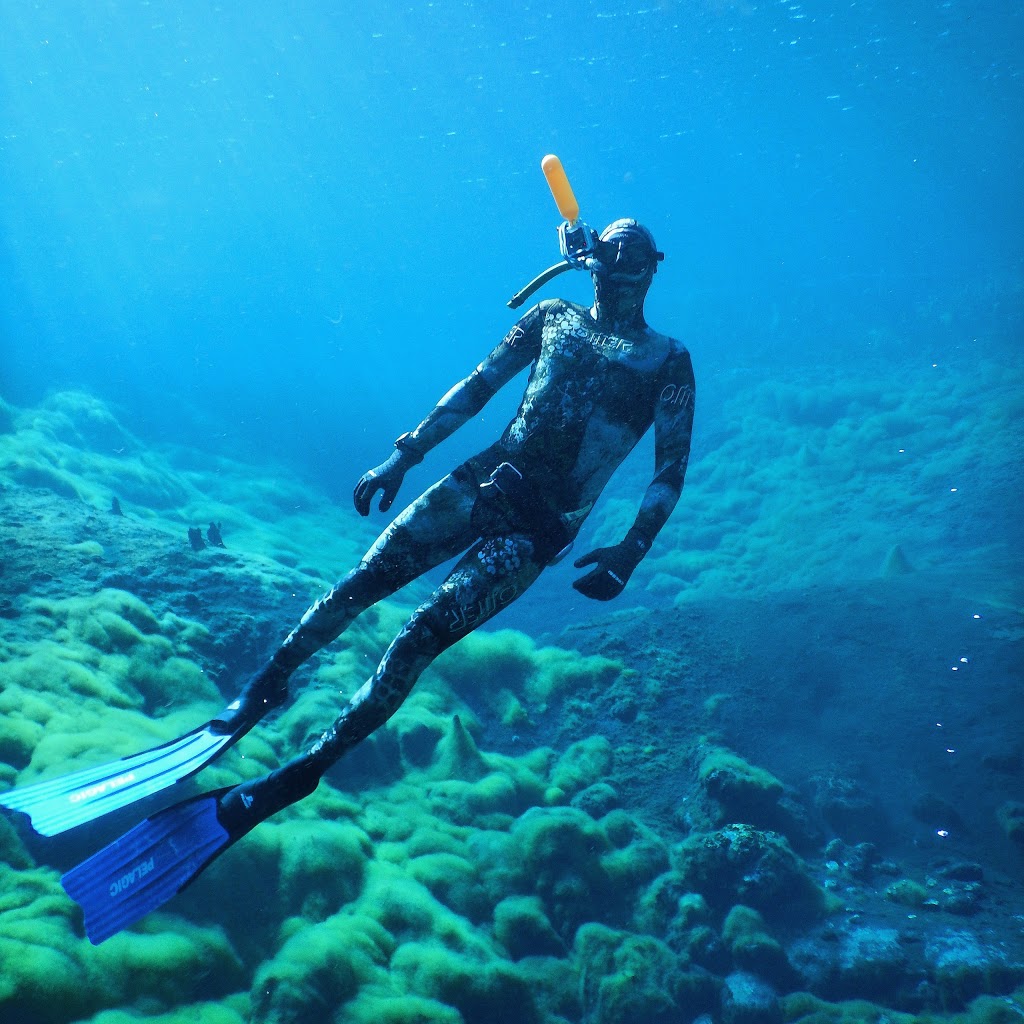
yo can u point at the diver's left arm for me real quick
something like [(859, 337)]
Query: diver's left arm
[(673, 425)]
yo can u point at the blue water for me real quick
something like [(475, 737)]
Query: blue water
[(280, 231), (285, 229)]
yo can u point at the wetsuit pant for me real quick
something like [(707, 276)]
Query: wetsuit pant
[(499, 563)]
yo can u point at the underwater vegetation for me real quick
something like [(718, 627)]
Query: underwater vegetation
[(473, 861)]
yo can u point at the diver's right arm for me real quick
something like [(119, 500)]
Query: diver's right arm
[(515, 352)]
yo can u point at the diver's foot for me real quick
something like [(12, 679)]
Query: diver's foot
[(242, 808)]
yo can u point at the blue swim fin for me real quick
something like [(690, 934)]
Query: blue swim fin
[(156, 860), (147, 866)]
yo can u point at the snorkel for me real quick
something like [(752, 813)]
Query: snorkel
[(576, 239), (623, 254)]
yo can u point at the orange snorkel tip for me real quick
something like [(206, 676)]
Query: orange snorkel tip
[(561, 190), (575, 239)]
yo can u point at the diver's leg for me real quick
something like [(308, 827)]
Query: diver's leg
[(491, 575), (434, 528)]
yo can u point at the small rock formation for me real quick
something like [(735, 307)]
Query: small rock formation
[(896, 563)]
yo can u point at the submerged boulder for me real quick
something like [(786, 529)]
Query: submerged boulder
[(742, 864)]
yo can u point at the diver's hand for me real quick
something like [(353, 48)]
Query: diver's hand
[(387, 477), (614, 567)]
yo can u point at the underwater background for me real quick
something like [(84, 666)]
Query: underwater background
[(781, 778)]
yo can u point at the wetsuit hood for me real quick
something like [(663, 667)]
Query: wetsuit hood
[(624, 263)]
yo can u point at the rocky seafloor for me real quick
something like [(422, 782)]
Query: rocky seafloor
[(800, 806)]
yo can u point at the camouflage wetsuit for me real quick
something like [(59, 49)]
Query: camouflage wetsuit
[(592, 393), (591, 396)]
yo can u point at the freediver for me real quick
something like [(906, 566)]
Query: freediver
[(599, 379)]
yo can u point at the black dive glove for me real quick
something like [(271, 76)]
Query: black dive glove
[(387, 477), (614, 567)]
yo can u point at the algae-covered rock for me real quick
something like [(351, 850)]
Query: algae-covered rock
[(667, 908), (752, 948), (555, 984), (523, 928), (481, 988), (627, 978), (556, 854), (580, 869), (418, 741), (639, 855), (43, 974), (871, 962), (12, 849), (1011, 819), (744, 791), (322, 865), (741, 864), (584, 763), (50, 974), (453, 880), (373, 1007), (965, 967), (508, 662), (597, 800), (320, 965), (168, 959), (806, 1008), (907, 892), (854, 813), (457, 755), (231, 1011)]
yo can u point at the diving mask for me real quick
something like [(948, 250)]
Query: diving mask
[(625, 251)]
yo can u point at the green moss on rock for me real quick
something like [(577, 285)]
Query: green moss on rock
[(584, 763), (627, 978), (741, 864), (522, 927), (752, 948), (743, 790)]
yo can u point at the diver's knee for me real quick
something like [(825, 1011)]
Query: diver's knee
[(429, 627), (357, 590)]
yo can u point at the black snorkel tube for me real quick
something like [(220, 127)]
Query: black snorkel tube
[(577, 241)]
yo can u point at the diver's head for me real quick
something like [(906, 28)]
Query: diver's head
[(626, 253), (624, 263)]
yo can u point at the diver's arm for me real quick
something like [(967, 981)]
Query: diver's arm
[(515, 352), (673, 423)]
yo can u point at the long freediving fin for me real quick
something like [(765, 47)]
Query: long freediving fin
[(147, 866), (58, 804), (153, 862)]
